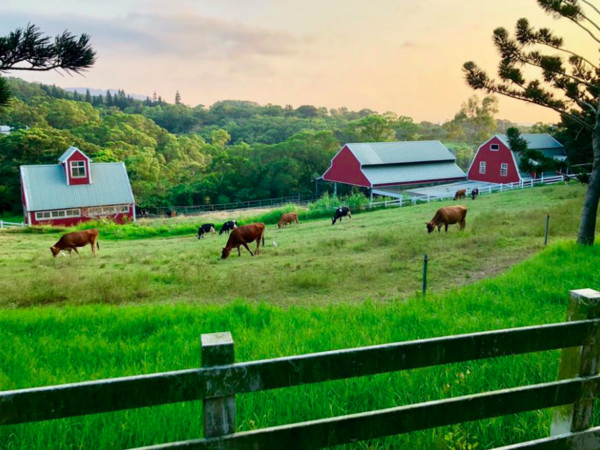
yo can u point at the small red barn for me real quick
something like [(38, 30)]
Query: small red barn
[(384, 164), (76, 190), (495, 162)]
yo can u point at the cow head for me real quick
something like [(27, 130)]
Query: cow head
[(225, 253), (55, 251), (430, 226)]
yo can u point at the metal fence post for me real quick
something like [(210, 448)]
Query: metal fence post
[(218, 412), (425, 260), (578, 361)]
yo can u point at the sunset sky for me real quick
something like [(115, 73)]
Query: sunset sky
[(403, 56)]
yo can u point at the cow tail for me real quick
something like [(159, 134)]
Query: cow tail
[(263, 239), (98, 245)]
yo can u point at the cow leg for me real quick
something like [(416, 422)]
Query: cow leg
[(247, 248), (446, 228), (75, 248)]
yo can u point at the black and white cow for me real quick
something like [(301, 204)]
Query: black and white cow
[(206, 228), (228, 226), (474, 193), (342, 211)]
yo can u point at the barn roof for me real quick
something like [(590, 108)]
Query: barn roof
[(67, 154), (379, 153), (413, 173), (536, 141), (45, 187)]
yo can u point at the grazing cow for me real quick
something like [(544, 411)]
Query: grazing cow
[(206, 228), (287, 219), (71, 241), (474, 193), (228, 226), (448, 215), (244, 235), (342, 211), (461, 193)]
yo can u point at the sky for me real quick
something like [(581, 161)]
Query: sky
[(401, 56)]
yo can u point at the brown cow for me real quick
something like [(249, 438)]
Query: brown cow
[(461, 193), (448, 215), (71, 241), (287, 219), (244, 235)]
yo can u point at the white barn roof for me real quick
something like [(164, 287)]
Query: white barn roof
[(408, 152), (45, 187)]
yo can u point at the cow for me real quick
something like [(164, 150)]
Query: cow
[(228, 226), (206, 228), (71, 241), (461, 193), (448, 215), (474, 193), (342, 211), (244, 235), (287, 219)]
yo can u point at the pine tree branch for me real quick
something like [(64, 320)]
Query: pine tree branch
[(591, 6)]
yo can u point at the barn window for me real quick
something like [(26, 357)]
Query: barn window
[(58, 214), (78, 169), (503, 169), (494, 147), (482, 165)]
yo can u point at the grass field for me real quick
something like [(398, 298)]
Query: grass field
[(141, 305)]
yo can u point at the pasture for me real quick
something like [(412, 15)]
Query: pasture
[(376, 256), (141, 305)]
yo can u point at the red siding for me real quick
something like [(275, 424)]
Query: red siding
[(77, 156), (345, 168), (493, 160), (117, 218)]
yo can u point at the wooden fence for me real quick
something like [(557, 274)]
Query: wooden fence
[(220, 379), (5, 224)]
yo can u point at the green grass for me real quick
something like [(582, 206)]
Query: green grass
[(141, 305)]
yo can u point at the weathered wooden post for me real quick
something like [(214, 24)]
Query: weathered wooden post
[(579, 362), (546, 233), (219, 412)]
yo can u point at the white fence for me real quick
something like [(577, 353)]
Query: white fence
[(488, 189), (4, 224)]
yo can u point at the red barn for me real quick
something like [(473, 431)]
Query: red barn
[(385, 164), (495, 162), (76, 190)]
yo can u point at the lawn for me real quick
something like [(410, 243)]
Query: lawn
[(141, 305)]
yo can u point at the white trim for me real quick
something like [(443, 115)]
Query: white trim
[(484, 167), (492, 149), (504, 168), (85, 170), (516, 164), (55, 214)]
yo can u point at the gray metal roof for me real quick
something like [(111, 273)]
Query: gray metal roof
[(46, 187), (536, 141), (413, 173), (376, 153)]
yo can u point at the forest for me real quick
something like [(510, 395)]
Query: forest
[(178, 155)]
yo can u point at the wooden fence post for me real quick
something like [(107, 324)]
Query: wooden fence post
[(219, 412), (578, 361)]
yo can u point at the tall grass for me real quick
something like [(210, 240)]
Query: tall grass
[(43, 346)]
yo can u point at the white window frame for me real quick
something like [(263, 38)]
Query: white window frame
[(57, 214), (504, 169), (494, 147), (78, 167), (482, 167), (97, 211)]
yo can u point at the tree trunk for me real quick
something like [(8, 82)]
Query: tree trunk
[(587, 227)]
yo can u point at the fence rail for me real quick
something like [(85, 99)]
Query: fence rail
[(219, 380), (4, 224)]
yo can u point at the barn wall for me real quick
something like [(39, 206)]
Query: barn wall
[(493, 159), (120, 218), (345, 168)]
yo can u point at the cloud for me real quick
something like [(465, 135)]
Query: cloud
[(188, 35)]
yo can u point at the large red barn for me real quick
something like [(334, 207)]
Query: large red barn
[(76, 190), (495, 162), (386, 164)]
